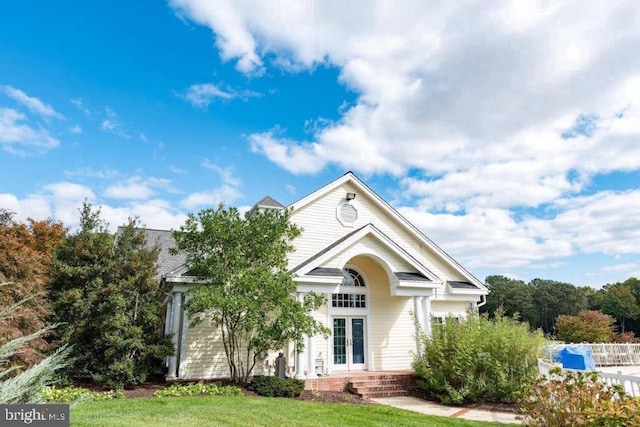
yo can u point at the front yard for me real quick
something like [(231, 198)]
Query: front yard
[(247, 411)]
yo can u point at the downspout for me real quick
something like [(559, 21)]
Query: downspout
[(483, 301)]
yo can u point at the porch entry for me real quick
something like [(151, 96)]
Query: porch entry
[(349, 343)]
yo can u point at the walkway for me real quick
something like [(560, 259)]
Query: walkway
[(432, 408)]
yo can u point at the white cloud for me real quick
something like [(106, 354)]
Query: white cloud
[(80, 105), (62, 201), (111, 124), (75, 130), (177, 170), (32, 103), (463, 93), (18, 138), (225, 194), (227, 174), (154, 213), (65, 199), (137, 188), (105, 173), (201, 95)]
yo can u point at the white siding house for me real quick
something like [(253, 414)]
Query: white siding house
[(376, 270)]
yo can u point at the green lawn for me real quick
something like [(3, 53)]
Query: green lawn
[(247, 411)]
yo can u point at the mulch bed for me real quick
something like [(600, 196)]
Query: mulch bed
[(500, 407), (147, 389)]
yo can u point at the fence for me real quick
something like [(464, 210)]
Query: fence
[(621, 354), (630, 383)]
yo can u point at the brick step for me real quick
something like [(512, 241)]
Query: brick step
[(393, 393), (374, 377), (376, 389), (380, 382)]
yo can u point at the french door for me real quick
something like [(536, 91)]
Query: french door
[(349, 347)]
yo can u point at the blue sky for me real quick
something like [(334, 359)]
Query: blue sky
[(509, 132)]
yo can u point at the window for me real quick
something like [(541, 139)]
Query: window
[(349, 300), (352, 279)]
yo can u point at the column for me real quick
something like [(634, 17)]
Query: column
[(299, 354), (311, 358), (175, 330), (426, 310), (419, 319)]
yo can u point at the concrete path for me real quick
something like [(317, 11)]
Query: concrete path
[(432, 408)]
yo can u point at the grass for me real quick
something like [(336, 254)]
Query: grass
[(247, 411)]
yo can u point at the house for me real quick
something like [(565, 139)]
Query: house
[(376, 270)]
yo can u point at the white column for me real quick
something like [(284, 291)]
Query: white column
[(426, 310), (311, 358), (175, 330), (299, 354), (419, 318)]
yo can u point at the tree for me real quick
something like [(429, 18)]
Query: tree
[(25, 259), (514, 296), (586, 326), (246, 288), (25, 386), (619, 301), (554, 298), (103, 288)]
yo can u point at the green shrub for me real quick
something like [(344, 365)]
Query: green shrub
[(579, 399), (478, 360), (74, 394), (276, 386), (195, 389)]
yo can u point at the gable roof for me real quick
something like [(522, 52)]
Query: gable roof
[(315, 262), (268, 202), (351, 178)]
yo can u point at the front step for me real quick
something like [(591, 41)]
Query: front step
[(381, 386)]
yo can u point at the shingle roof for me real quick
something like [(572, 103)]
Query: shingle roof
[(325, 271), (165, 241), (413, 277), (461, 285), (268, 202)]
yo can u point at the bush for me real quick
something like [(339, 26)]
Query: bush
[(195, 389), (587, 326), (479, 360), (74, 394), (579, 399), (276, 386), (25, 386)]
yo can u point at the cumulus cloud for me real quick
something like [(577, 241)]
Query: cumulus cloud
[(478, 110), (455, 92), (62, 201), (201, 95), (137, 188), (33, 104), (19, 138), (226, 194)]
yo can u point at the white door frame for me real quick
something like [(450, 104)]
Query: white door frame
[(349, 364)]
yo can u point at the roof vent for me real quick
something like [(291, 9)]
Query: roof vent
[(347, 214)]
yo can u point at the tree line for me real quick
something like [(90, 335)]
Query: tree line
[(555, 306)]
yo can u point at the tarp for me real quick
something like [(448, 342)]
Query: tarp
[(576, 357)]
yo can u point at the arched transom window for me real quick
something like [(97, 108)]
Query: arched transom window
[(355, 299)]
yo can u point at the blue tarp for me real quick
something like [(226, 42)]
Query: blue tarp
[(576, 357)]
